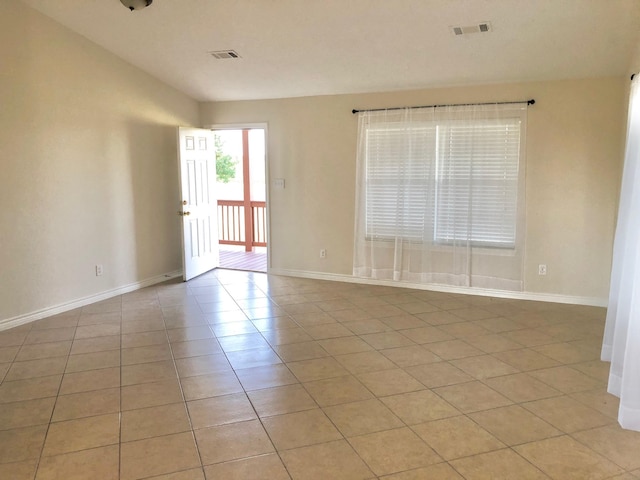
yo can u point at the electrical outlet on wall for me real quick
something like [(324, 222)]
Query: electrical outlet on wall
[(542, 269), (323, 253), (99, 270)]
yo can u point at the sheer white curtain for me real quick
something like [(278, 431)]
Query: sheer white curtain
[(621, 344), (440, 195)]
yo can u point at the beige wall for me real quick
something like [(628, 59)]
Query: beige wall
[(88, 170), (574, 157)]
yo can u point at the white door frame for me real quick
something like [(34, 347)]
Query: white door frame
[(263, 126)]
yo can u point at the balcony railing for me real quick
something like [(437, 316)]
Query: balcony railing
[(236, 229)]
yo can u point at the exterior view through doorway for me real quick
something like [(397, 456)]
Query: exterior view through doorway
[(241, 192)]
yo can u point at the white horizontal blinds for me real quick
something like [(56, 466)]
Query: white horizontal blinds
[(399, 169), (477, 182)]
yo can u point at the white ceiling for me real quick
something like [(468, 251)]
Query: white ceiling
[(295, 48)]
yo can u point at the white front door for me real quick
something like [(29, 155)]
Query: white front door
[(199, 203)]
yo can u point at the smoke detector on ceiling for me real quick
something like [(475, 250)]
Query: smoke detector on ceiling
[(483, 27), (223, 54), (136, 4)]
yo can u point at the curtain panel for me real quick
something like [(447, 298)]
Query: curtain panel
[(621, 342), (440, 195)]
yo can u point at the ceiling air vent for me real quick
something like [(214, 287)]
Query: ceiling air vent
[(222, 54), (479, 28)]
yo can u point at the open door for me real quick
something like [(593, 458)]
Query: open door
[(199, 204)]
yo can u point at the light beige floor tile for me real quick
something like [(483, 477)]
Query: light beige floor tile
[(410, 356), (252, 358), (457, 437), (425, 335), (567, 353), (85, 404), (419, 407), (144, 339), (484, 366), (500, 324), (26, 413), (393, 451), (45, 336), (95, 463), (147, 372), (44, 350), (474, 313), (439, 318), (147, 354), (249, 341), (526, 359), (57, 321), (365, 362), (231, 442), (493, 343), (296, 352), (472, 397), (36, 368), (102, 330), (362, 417), (210, 412), (599, 400), (337, 390), (285, 336), (345, 345), (438, 374), (595, 369), (90, 380), (191, 474), (82, 434), (22, 444), (153, 394), (159, 455), (384, 340), (464, 329), (93, 361), (196, 348), (265, 377), (514, 425), (403, 322), (567, 414), (30, 389), (192, 366), (254, 468), (441, 471), (19, 470), (390, 382), (299, 429), (618, 445), (530, 337), (498, 465), (154, 422), (150, 324), (8, 354), (334, 460), (212, 385), (197, 332), (453, 349), (280, 400), (564, 458), (96, 344), (276, 323), (521, 387), (316, 369), (364, 325), (328, 330)]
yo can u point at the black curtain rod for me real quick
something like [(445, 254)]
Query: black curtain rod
[(528, 102)]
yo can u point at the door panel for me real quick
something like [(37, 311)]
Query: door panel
[(199, 203)]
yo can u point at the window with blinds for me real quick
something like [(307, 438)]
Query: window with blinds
[(445, 181)]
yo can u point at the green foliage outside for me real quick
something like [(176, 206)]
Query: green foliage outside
[(225, 165)]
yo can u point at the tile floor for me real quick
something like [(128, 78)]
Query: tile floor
[(240, 375)]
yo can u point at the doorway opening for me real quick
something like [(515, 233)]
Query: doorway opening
[(242, 199)]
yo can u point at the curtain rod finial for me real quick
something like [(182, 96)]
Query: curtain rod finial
[(633, 75), (531, 102)]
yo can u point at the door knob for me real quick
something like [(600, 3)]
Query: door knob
[(183, 213)]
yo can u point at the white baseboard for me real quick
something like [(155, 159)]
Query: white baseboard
[(81, 302), (535, 296)]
